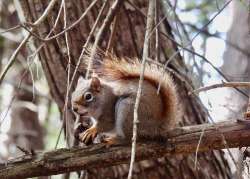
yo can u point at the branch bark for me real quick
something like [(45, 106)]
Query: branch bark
[(183, 140)]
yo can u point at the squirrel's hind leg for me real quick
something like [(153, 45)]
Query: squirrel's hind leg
[(124, 117), (118, 135), (110, 138)]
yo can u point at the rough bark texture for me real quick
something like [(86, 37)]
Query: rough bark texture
[(181, 141), (127, 41)]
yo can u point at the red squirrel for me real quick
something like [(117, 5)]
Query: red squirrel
[(107, 100)]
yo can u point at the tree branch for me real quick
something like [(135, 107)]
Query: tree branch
[(222, 85), (102, 32), (182, 140), (24, 41), (145, 55)]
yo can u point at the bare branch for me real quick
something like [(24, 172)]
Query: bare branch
[(102, 31), (45, 13), (182, 140), (75, 23), (9, 29), (35, 24), (65, 111), (13, 57), (182, 47), (149, 27), (112, 35), (222, 85)]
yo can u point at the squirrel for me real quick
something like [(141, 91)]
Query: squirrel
[(107, 101)]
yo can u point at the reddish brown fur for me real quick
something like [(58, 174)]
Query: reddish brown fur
[(111, 68)]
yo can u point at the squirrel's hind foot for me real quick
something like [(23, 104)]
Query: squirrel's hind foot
[(110, 139)]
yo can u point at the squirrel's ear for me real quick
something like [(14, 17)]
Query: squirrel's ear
[(95, 84), (80, 80)]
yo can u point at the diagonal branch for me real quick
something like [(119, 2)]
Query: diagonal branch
[(182, 140)]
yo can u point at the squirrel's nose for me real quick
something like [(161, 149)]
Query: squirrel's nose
[(75, 109)]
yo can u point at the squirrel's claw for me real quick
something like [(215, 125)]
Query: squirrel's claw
[(88, 135)]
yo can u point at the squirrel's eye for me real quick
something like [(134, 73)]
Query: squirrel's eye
[(88, 96)]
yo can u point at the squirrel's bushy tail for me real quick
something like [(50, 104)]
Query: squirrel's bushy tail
[(111, 68)]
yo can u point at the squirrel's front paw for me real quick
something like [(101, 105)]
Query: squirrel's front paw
[(88, 136)]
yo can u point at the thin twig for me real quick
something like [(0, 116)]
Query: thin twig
[(47, 38), (74, 24), (31, 31), (206, 60), (187, 38), (190, 50), (65, 109), (102, 31), (222, 85), (13, 58), (45, 13), (51, 30), (10, 29), (149, 27), (35, 24), (247, 113), (59, 135), (112, 34), (193, 38), (157, 52), (197, 148), (23, 150)]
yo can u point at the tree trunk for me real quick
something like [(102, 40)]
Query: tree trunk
[(127, 41)]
